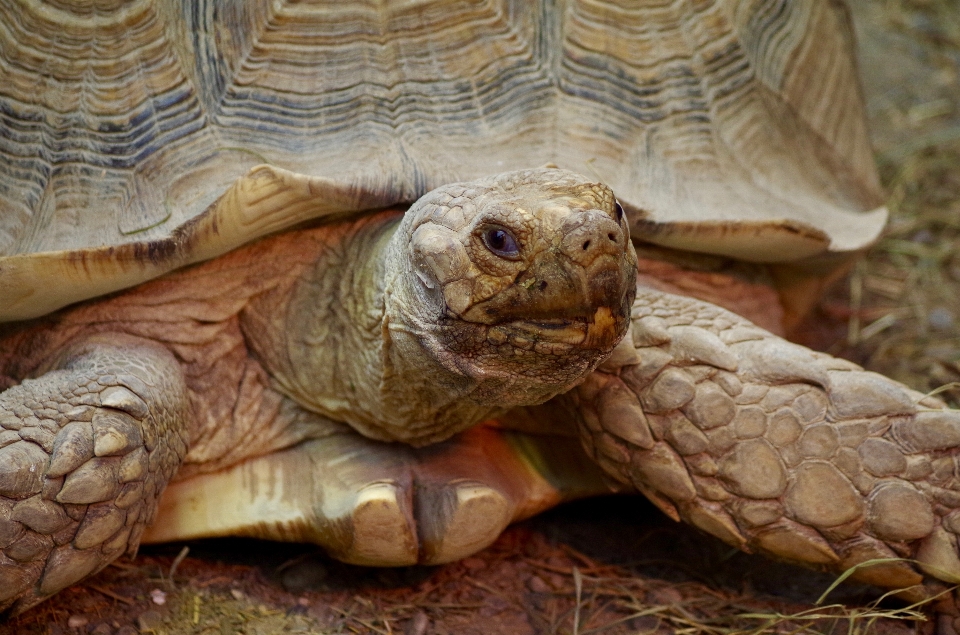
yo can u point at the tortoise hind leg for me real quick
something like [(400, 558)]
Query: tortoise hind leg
[(775, 448), (87, 447)]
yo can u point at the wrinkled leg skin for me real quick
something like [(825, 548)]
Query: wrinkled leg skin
[(777, 449), (85, 450)]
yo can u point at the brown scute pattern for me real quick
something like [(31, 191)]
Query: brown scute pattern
[(841, 468), (117, 114), (85, 452)]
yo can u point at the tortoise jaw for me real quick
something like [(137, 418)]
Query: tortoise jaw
[(558, 335), (602, 330), (561, 331)]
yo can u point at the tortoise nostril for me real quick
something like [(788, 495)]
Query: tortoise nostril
[(543, 285), (591, 236)]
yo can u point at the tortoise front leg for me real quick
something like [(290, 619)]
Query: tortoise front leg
[(775, 448), (384, 504), (87, 448)]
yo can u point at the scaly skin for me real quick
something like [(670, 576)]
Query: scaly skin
[(87, 449), (775, 448)]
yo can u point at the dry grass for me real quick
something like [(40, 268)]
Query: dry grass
[(904, 297), (522, 585), (909, 286)]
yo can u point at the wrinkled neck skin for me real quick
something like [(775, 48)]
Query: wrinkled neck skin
[(428, 389), (359, 341)]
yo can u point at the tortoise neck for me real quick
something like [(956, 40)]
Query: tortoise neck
[(351, 340), (319, 334)]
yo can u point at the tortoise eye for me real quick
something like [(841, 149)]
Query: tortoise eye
[(619, 209), (501, 242)]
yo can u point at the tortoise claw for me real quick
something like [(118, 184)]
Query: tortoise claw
[(460, 519), (383, 529)]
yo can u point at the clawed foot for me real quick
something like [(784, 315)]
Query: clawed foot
[(776, 449), (383, 504), (84, 455)]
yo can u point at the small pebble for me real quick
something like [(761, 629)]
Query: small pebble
[(237, 594), (645, 624), (940, 319), (77, 621), (665, 596), (534, 548), (493, 606), (159, 597), (418, 625), (303, 576), (537, 585), (149, 620), (473, 564), (102, 629)]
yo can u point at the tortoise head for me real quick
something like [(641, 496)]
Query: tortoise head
[(523, 282)]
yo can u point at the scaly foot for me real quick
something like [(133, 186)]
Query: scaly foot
[(87, 448), (775, 448)]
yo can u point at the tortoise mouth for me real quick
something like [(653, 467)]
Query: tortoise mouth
[(571, 331), (600, 330)]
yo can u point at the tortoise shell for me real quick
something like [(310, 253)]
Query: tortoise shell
[(142, 136)]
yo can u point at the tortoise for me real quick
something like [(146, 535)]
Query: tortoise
[(293, 271)]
